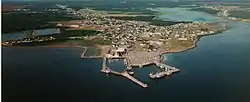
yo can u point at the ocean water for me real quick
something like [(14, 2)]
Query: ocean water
[(217, 70)]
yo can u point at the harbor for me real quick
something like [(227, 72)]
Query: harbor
[(167, 71), (125, 74), (134, 59), (84, 56)]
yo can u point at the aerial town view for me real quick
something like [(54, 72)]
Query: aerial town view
[(59, 48)]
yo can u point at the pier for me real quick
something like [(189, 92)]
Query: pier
[(83, 54), (125, 74), (136, 59), (168, 70), (92, 57)]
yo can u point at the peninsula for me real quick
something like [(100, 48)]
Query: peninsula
[(139, 43)]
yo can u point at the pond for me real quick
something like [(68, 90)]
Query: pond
[(24, 34)]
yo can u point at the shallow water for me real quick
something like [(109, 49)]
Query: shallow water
[(184, 14), (21, 35)]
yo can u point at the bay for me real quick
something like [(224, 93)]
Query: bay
[(217, 70)]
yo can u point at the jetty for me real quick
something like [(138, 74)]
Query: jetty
[(134, 59), (125, 74), (83, 54), (167, 71), (92, 57)]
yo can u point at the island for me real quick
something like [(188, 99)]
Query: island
[(138, 41)]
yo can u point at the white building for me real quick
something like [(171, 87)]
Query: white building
[(75, 26)]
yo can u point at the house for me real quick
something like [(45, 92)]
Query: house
[(182, 38), (75, 26)]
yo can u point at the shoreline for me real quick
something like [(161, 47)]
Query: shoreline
[(102, 48), (194, 43), (183, 50), (50, 46)]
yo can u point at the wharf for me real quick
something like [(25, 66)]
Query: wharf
[(168, 70), (116, 57), (142, 58), (125, 74), (91, 57), (140, 65), (134, 60), (83, 55)]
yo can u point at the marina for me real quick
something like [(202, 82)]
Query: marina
[(216, 69), (167, 70), (135, 59), (83, 54), (125, 74)]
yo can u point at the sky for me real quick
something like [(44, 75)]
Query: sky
[(125, 0)]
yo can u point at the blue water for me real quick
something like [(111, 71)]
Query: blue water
[(217, 70), (21, 35), (183, 14)]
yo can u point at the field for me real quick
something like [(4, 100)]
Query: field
[(240, 14), (36, 18), (176, 45), (13, 22)]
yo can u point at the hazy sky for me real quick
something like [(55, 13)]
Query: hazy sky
[(125, 0)]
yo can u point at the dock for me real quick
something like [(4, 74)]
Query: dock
[(142, 58), (125, 74), (83, 53), (167, 70), (136, 59), (90, 57)]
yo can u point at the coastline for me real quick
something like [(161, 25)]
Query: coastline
[(51, 46), (102, 48), (191, 47)]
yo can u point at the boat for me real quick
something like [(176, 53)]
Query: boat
[(131, 73), (156, 75)]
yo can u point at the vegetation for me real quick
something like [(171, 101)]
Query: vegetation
[(88, 42), (151, 20), (26, 21), (180, 45), (62, 38), (240, 14)]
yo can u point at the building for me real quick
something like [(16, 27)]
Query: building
[(75, 26)]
